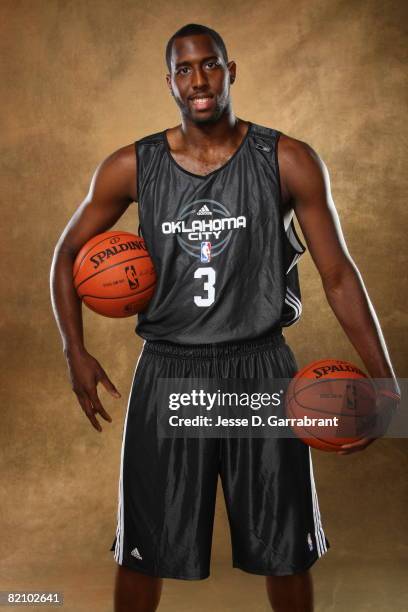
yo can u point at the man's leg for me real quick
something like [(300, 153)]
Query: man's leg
[(136, 592), (290, 593), (271, 500)]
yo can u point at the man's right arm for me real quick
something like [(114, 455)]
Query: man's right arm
[(113, 188)]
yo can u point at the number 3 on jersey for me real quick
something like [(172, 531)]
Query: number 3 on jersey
[(208, 286)]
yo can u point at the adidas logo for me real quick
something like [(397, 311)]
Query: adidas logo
[(262, 147), (204, 210), (136, 553)]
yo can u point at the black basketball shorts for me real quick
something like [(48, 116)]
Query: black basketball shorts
[(167, 486)]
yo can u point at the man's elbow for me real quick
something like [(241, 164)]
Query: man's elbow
[(338, 276)]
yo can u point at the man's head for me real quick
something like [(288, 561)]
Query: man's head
[(199, 73)]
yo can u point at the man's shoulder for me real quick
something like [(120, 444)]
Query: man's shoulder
[(126, 155), (293, 150), (299, 163), (288, 142), (121, 159), (287, 148)]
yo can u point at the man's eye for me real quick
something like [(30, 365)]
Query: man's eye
[(213, 64), (180, 70)]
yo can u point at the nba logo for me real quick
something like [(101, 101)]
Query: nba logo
[(132, 277), (205, 252)]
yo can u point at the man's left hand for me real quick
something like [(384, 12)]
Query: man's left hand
[(385, 407)]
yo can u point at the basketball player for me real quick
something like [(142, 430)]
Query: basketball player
[(227, 285)]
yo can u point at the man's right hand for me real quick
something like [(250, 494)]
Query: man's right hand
[(85, 373), (112, 189)]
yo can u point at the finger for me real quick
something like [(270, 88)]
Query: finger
[(108, 384), (86, 406), (96, 403), (387, 403)]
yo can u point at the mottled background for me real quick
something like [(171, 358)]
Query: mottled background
[(82, 78)]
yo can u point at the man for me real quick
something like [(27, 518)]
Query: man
[(216, 198)]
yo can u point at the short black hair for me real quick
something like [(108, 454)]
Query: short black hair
[(189, 30)]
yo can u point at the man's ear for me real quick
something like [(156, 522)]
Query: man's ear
[(232, 68), (168, 79)]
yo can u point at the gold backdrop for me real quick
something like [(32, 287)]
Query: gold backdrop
[(83, 78)]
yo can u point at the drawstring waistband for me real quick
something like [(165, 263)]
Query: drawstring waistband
[(214, 350)]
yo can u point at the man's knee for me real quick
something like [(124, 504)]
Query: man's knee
[(136, 592), (293, 593)]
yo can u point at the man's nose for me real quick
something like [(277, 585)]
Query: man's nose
[(199, 78)]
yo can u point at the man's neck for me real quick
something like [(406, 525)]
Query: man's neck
[(206, 135)]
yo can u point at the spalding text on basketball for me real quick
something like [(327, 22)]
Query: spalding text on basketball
[(335, 368), (100, 257)]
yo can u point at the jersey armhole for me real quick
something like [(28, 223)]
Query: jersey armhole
[(139, 229), (290, 232), (137, 172), (294, 238), (277, 169)]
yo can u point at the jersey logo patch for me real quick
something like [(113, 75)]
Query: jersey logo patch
[(205, 252), (136, 553), (204, 210), (192, 231)]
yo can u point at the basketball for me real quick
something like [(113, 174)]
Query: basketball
[(326, 389), (114, 275)]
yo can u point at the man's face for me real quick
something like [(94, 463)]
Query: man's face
[(200, 79)]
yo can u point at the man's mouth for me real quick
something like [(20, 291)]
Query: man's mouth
[(202, 103)]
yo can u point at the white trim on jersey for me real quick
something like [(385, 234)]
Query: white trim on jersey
[(319, 533), (118, 555), (296, 258), (293, 301)]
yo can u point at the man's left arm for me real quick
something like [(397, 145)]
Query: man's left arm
[(306, 186)]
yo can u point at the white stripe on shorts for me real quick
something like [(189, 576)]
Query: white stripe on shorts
[(319, 533), (118, 555)]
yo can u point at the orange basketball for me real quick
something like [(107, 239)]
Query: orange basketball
[(326, 389), (114, 275)]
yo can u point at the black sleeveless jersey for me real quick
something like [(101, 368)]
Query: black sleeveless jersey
[(225, 257)]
